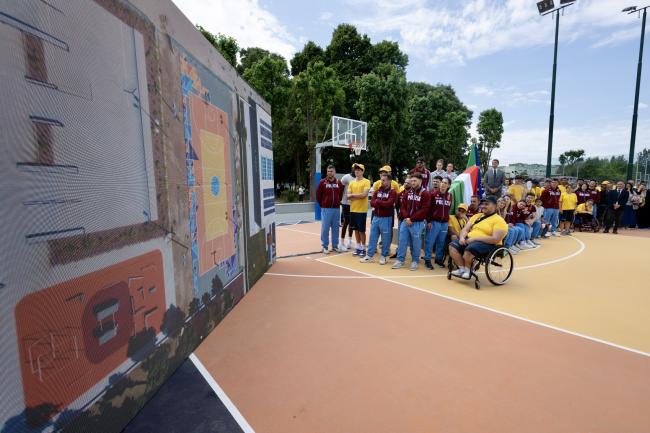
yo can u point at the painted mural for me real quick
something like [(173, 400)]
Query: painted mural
[(125, 204)]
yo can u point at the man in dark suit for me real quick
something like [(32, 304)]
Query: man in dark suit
[(616, 200), (494, 179)]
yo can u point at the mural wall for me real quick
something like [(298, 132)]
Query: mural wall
[(136, 183)]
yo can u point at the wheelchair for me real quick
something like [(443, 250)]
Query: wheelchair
[(498, 265)]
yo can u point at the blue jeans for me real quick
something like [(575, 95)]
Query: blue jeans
[(526, 229), (410, 236), (552, 217), (330, 218), (383, 226), (536, 227), (435, 236), (514, 236)]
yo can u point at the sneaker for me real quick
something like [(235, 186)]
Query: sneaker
[(615, 231), (326, 251), (536, 242), (364, 252), (513, 250), (557, 234), (414, 266), (465, 275), (382, 260), (531, 244), (523, 246), (348, 244), (341, 248), (357, 252), (427, 264), (441, 264), (366, 259), (393, 256), (397, 265), (547, 235), (457, 273)]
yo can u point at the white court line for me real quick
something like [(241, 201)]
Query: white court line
[(239, 418), (503, 313), (516, 268), (298, 231)]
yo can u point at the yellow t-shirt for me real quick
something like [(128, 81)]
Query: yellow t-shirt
[(456, 224), (357, 187), (562, 188), (487, 226), (537, 191), (517, 191), (393, 185), (568, 201), (582, 208)]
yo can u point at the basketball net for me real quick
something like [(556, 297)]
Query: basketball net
[(356, 147)]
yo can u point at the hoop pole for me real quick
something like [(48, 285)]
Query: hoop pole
[(317, 210)]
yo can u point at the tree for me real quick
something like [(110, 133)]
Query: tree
[(249, 56), (490, 132), (310, 53), (382, 103), (571, 158), (316, 93), (438, 123), (270, 77), (226, 45), (388, 53)]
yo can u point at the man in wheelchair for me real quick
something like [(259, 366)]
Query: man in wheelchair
[(480, 237)]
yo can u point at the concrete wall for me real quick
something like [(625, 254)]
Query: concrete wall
[(126, 227)]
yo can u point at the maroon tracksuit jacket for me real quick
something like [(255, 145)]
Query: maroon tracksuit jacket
[(329, 193), (383, 202), (415, 205), (551, 198), (440, 206)]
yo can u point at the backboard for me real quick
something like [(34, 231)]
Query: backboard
[(349, 133)]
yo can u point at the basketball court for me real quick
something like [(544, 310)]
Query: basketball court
[(327, 344)]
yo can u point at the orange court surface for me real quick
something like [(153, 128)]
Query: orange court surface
[(326, 344)]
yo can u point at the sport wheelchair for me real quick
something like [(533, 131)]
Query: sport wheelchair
[(498, 264)]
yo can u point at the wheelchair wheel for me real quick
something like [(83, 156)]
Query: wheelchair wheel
[(498, 266)]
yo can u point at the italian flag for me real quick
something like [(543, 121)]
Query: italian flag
[(468, 183)]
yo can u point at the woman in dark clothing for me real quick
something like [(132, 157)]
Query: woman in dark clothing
[(643, 212), (629, 216)]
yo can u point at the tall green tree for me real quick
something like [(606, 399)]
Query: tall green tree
[(388, 53), (316, 94), (438, 123), (382, 102), (310, 53), (490, 132), (249, 56), (226, 45)]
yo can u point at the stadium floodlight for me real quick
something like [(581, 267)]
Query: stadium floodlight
[(566, 2), (629, 9), (545, 6)]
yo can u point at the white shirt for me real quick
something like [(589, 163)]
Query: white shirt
[(345, 180)]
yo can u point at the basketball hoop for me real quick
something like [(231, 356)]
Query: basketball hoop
[(356, 147)]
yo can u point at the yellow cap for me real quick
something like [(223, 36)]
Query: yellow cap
[(355, 165), (605, 182), (385, 168), (462, 206)]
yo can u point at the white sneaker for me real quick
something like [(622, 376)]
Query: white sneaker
[(536, 242), (366, 259), (531, 244), (523, 246), (397, 265), (414, 266), (547, 235), (513, 250), (341, 248), (457, 273), (326, 251), (382, 260), (557, 234), (465, 275)]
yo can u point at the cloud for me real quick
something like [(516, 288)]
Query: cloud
[(509, 94), (463, 30), (326, 16), (617, 37), (245, 20), (481, 90)]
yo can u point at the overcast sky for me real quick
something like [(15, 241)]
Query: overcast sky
[(495, 53)]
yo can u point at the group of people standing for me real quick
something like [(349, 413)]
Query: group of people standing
[(422, 205)]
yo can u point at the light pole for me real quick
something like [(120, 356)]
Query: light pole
[(630, 161), (546, 7)]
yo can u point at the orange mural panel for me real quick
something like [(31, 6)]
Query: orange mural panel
[(214, 187), (73, 334)]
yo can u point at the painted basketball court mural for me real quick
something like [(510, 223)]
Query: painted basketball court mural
[(121, 194)]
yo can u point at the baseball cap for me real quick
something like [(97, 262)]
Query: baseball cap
[(605, 182), (355, 165), (385, 168), (489, 199), (462, 206)]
